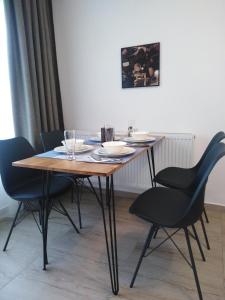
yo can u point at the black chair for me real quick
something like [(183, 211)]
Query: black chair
[(182, 179), (51, 140), (27, 185), (173, 208)]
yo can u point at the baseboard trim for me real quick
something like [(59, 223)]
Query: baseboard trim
[(4, 212), (215, 204), (120, 190), (132, 192)]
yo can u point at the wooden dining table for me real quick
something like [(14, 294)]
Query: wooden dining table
[(106, 200)]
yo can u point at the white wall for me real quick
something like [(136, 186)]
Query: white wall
[(89, 35)]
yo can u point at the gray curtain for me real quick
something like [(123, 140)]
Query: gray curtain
[(36, 97)]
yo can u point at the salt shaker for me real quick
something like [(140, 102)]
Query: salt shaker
[(130, 130), (131, 125)]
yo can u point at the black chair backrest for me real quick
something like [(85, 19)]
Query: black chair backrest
[(219, 136), (12, 150), (52, 139), (196, 205)]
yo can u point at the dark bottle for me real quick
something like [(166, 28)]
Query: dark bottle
[(103, 138)]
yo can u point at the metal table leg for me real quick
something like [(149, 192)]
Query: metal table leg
[(150, 168), (110, 231), (153, 164), (42, 218), (44, 215)]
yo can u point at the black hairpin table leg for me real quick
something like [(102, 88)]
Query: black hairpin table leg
[(43, 217), (153, 165), (45, 206), (110, 231), (150, 167)]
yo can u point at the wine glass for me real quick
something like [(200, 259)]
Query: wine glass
[(70, 141)]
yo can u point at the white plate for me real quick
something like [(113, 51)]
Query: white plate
[(133, 140), (126, 151), (84, 148)]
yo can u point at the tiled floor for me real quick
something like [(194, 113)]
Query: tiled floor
[(78, 267)]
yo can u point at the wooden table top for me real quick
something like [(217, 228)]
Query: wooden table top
[(77, 167)]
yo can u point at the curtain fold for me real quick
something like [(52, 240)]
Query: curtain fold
[(36, 97)]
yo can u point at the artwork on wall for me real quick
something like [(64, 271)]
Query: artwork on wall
[(140, 66)]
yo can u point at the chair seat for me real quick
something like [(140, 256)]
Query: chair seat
[(178, 178), (33, 189), (159, 205)]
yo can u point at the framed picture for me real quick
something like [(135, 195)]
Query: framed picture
[(140, 66)]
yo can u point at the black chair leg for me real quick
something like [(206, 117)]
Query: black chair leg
[(205, 214), (12, 226), (39, 216), (68, 216), (146, 245), (155, 234), (198, 242), (205, 234), (193, 263), (72, 193), (92, 188), (75, 189)]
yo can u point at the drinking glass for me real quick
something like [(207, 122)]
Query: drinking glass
[(70, 141)]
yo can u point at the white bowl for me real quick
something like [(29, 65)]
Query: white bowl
[(113, 147), (140, 135), (70, 143), (79, 142)]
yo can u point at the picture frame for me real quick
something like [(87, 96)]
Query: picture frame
[(140, 65)]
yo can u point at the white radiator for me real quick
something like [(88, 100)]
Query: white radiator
[(176, 149)]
